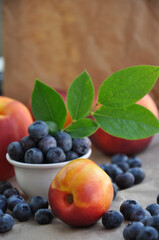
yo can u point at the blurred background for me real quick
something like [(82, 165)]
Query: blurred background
[(56, 40)]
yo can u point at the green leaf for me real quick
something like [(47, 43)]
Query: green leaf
[(134, 122), (47, 104), (82, 128), (80, 96), (127, 86), (53, 128)]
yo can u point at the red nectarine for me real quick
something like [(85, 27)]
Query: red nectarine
[(112, 145), (14, 122), (80, 193)]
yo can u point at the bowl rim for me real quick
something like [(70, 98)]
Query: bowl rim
[(45, 165)]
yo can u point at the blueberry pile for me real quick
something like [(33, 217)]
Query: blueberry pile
[(13, 206), (144, 223), (124, 171), (40, 147)]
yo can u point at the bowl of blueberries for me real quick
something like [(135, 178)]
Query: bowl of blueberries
[(38, 157)]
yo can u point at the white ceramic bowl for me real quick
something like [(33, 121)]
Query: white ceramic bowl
[(35, 179)]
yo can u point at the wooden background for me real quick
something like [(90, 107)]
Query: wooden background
[(56, 40)]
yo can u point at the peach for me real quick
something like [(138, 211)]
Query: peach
[(80, 193), (112, 145), (14, 122)]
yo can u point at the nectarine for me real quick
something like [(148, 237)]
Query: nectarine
[(14, 122), (80, 193), (112, 145)]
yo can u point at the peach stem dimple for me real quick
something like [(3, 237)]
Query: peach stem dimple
[(69, 198)]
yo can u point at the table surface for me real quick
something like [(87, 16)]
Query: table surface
[(145, 193)]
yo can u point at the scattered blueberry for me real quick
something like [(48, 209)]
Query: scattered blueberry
[(38, 129), (119, 158), (3, 205), (10, 191), (15, 151), (113, 171), (64, 141), (112, 219), (128, 207), (37, 202), (81, 145), (6, 223), (153, 208), (139, 214), (46, 143), (135, 162), (43, 216), (132, 229), (138, 173), (55, 155), (124, 166), (70, 155), (13, 200), (27, 142), (114, 190), (22, 211), (4, 185), (153, 222), (147, 233), (125, 180), (33, 156), (147, 220)]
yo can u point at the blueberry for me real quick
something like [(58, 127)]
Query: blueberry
[(46, 143), (38, 129), (4, 185), (104, 166), (55, 155), (139, 214), (37, 202), (124, 166), (132, 229), (6, 223), (153, 222), (70, 155), (64, 141), (157, 199), (81, 145), (22, 211), (125, 180), (34, 156), (43, 216), (13, 200), (147, 220), (113, 171), (15, 151), (114, 190), (112, 219), (128, 207), (27, 142), (1, 213), (3, 197), (119, 158), (10, 191), (153, 208), (147, 233), (3, 205), (135, 162), (138, 173)]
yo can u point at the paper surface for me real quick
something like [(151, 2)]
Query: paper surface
[(56, 40), (145, 192)]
